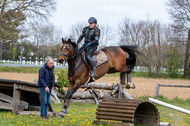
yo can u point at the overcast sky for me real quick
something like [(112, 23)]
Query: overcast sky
[(110, 12)]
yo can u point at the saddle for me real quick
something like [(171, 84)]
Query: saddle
[(98, 57)]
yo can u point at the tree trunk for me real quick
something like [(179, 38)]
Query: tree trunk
[(187, 57), (3, 6)]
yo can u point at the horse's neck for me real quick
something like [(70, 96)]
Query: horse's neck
[(74, 63)]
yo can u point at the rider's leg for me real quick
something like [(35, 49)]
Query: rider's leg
[(89, 52)]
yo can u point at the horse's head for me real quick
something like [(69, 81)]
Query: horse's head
[(67, 50)]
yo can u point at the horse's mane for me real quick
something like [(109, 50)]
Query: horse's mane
[(74, 44)]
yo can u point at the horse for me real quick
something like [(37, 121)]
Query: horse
[(78, 71)]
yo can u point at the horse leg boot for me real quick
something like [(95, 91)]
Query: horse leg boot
[(93, 72), (66, 102), (129, 82)]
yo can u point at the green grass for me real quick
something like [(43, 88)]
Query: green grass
[(175, 118), (26, 69), (84, 115), (57, 70)]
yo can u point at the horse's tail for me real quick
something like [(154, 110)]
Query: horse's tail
[(131, 60)]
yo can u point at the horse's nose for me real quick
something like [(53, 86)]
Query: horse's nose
[(61, 61)]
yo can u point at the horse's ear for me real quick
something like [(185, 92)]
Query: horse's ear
[(69, 40), (63, 41)]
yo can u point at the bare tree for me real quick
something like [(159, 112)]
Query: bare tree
[(45, 36), (180, 13), (14, 14), (107, 35), (153, 39)]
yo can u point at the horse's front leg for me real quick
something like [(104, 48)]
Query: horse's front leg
[(67, 100)]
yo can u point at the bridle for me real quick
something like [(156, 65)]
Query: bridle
[(67, 56), (67, 59)]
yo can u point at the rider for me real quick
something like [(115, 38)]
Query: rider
[(92, 35)]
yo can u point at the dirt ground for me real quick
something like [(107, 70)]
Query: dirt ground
[(144, 86)]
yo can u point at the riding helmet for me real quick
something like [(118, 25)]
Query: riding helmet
[(92, 20)]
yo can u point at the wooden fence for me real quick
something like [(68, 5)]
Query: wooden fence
[(157, 86)]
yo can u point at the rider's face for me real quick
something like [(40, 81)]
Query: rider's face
[(91, 25)]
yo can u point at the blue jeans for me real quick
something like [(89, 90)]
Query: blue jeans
[(45, 97)]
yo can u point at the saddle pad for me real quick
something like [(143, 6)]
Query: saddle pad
[(100, 58)]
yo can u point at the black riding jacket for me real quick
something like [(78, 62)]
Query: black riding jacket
[(91, 35)]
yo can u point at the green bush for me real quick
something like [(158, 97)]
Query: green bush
[(174, 63), (62, 80)]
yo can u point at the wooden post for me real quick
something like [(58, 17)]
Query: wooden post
[(16, 99), (120, 92), (156, 93)]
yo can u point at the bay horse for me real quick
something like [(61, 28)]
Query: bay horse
[(78, 71)]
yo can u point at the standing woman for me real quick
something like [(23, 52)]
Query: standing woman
[(91, 34), (46, 82)]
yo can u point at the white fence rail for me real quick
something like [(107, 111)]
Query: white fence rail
[(29, 63)]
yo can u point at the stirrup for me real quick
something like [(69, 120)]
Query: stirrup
[(93, 73)]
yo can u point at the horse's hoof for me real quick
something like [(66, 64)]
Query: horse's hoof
[(130, 85), (64, 110), (62, 114), (60, 117), (127, 87)]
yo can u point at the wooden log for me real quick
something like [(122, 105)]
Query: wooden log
[(115, 114), (120, 104), (55, 96), (37, 113), (16, 100), (58, 93), (6, 106), (104, 94), (88, 95), (52, 99), (97, 86), (98, 122), (116, 107), (121, 100), (127, 95), (95, 94), (6, 85), (27, 88), (83, 101), (33, 108), (82, 95), (115, 110), (129, 120), (9, 99)]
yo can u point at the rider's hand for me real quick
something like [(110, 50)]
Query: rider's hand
[(47, 89)]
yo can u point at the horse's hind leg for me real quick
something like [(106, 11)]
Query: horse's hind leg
[(122, 78), (129, 82)]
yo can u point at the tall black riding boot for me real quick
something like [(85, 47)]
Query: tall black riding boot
[(93, 72)]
